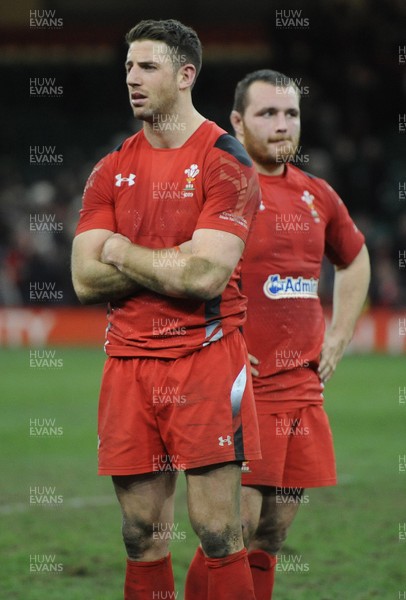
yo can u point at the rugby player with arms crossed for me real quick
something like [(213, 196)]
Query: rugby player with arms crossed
[(176, 384)]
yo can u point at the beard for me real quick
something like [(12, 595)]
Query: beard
[(159, 108), (269, 155)]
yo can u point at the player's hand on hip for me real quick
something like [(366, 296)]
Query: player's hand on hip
[(253, 361), (113, 248)]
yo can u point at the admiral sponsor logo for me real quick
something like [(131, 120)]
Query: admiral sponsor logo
[(245, 467), (276, 288)]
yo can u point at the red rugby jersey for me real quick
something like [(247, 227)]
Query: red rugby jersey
[(300, 219), (157, 198)]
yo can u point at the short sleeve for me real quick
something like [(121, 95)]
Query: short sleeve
[(343, 239), (232, 192), (97, 210)]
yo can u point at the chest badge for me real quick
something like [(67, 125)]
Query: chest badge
[(191, 173), (309, 199)]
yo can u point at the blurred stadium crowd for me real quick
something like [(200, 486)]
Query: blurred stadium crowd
[(354, 86)]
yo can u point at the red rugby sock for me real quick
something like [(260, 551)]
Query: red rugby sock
[(196, 587), (149, 580), (230, 577), (263, 573)]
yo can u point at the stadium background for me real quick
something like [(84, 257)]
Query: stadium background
[(63, 94)]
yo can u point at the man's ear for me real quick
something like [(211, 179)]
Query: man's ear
[(186, 76), (236, 122)]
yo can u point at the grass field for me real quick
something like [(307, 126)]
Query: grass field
[(343, 545)]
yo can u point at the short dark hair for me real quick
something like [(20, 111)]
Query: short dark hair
[(183, 41), (268, 76)]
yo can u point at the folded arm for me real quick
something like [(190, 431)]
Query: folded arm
[(203, 273), (93, 280), (106, 266)]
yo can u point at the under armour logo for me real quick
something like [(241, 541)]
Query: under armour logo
[(223, 441), (129, 179)]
